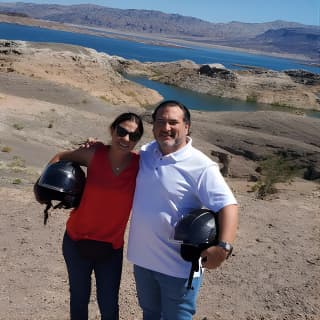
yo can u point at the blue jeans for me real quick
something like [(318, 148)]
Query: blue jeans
[(165, 297), (107, 274)]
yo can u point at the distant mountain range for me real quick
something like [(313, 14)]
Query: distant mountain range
[(276, 36)]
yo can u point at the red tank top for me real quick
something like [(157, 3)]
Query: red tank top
[(106, 201)]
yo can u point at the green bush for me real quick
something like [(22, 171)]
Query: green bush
[(5, 149), (17, 162), (18, 126), (17, 181), (252, 98), (274, 169)]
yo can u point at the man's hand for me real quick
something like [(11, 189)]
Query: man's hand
[(88, 143), (213, 257)]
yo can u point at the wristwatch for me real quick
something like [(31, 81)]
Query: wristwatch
[(226, 246)]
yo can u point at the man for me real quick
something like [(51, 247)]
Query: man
[(174, 178)]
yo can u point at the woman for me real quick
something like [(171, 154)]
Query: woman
[(101, 217)]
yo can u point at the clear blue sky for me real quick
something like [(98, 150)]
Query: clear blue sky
[(303, 11)]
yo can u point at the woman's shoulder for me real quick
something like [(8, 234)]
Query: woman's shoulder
[(98, 146), (96, 150)]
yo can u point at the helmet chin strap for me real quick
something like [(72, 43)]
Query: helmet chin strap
[(46, 210), (191, 253), (46, 214), (194, 267)]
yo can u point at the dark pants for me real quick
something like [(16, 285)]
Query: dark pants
[(107, 274)]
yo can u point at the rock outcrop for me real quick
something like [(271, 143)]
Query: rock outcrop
[(75, 66), (293, 88), (100, 74)]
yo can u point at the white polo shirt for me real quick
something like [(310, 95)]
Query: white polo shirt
[(167, 188)]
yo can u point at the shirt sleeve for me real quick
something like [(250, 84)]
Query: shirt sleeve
[(214, 192)]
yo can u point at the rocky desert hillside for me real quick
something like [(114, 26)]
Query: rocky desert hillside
[(50, 99), (243, 137)]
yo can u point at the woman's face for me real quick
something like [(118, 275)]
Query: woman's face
[(125, 136)]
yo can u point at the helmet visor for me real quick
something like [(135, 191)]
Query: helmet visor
[(58, 182)]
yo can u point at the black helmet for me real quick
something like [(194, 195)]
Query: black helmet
[(62, 181), (196, 231)]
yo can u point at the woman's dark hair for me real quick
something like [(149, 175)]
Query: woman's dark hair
[(173, 103), (128, 116)]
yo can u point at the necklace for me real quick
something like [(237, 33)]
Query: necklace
[(118, 168)]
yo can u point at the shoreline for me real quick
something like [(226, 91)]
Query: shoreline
[(173, 41), (247, 86), (153, 39)]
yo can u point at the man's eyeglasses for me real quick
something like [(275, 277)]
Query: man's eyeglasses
[(122, 132)]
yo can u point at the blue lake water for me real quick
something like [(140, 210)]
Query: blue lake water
[(146, 52), (205, 102)]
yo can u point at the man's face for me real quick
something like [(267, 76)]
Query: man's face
[(169, 129)]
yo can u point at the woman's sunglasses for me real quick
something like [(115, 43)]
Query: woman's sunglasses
[(122, 132)]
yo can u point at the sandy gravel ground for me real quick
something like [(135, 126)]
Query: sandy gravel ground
[(274, 273)]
